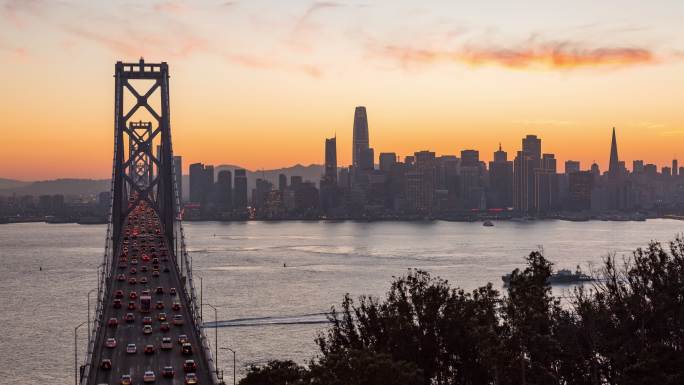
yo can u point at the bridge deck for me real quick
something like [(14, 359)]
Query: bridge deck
[(143, 241)]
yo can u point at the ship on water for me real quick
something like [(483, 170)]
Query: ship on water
[(562, 277)]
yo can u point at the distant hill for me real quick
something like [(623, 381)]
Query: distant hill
[(11, 183), (311, 173), (89, 187), (67, 187)]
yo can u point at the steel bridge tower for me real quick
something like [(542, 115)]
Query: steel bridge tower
[(160, 188)]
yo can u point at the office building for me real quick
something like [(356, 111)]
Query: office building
[(572, 166), (360, 137), (240, 192), (223, 190), (387, 161)]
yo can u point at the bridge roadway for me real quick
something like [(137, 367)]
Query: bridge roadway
[(143, 239)]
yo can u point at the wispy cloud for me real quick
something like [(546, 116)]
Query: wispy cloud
[(304, 26), (136, 43), (173, 7), (314, 8), (17, 52), (533, 54), (265, 62)]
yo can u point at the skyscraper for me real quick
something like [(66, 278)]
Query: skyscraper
[(360, 139), (614, 166), (224, 190), (531, 145), (240, 196), (675, 168), (637, 167), (387, 161), (330, 175), (328, 185), (501, 180), (201, 182), (524, 166), (470, 158), (546, 184), (571, 166), (282, 182)]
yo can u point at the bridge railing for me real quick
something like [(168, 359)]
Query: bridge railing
[(104, 270), (188, 282)]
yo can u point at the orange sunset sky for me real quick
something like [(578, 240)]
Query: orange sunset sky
[(261, 83)]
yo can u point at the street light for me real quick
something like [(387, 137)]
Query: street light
[(215, 336), (234, 353), (76, 352)]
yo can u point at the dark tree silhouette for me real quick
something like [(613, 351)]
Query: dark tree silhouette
[(627, 328)]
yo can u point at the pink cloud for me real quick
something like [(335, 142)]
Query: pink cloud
[(549, 55)]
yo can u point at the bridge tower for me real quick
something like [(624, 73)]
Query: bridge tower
[(140, 169)]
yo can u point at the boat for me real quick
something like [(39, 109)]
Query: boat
[(487, 224), (562, 277)]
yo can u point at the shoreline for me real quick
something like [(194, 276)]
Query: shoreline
[(597, 218)]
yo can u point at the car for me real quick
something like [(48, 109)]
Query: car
[(166, 269), (126, 379), (149, 376), (106, 364), (191, 379), (146, 258), (117, 303), (143, 280), (110, 343), (122, 264), (120, 277), (132, 281), (178, 320), (155, 273), (133, 270), (189, 366), (161, 317), (182, 338), (147, 329), (149, 349), (186, 349), (176, 306), (155, 261), (168, 372), (131, 349), (160, 305), (129, 318), (147, 320), (172, 291), (118, 294), (144, 269), (159, 290), (134, 261), (113, 322), (166, 343), (164, 326), (133, 295)]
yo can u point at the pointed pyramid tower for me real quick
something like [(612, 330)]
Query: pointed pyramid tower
[(614, 166)]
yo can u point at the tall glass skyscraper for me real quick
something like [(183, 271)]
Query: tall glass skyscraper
[(331, 160), (360, 141)]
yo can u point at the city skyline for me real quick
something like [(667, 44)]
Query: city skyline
[(442, 76)]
